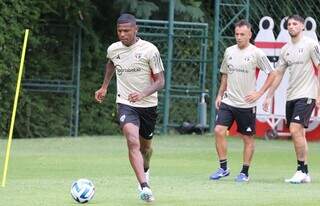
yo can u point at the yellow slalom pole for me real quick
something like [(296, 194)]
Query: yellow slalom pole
[(13, 116)]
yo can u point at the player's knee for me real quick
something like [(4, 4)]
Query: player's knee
[(295, 131), (219, 132), (249, 142), (146, 151), (133, 142)]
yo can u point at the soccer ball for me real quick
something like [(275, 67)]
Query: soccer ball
[(82, 190)]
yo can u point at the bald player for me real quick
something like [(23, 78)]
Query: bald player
[(140, 74), (298, 57), (237, 96)]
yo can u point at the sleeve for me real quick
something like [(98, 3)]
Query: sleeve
[(282, 63), (315, 54), (224, 65), (155, 61), (263, 62), (108, 53)]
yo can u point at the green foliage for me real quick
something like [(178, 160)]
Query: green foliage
[(49, 54)]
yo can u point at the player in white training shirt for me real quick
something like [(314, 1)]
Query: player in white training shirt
[(237, 96), (140, 74), (298, 57)]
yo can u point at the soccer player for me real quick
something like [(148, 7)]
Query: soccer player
[(140, 74), (237, 96), (298, 57)]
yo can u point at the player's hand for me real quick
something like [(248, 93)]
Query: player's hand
[(135, 97), (252, 97), (100, 94), (218, 101), (266, 104), (318, 102)]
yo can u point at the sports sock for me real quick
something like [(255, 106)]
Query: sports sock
[(144, 184), (301, 166), (223, 164), (245, 169), (306, 169), (146, 170)]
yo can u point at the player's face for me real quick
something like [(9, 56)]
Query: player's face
[(295, 27), (127, 33), (243, 36)]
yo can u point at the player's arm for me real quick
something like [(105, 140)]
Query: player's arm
[(222, 89), (156, 85), (274, 85), (315, 57), (263, 64), (109, 71), (254, 96)]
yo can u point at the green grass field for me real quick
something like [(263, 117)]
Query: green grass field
[(42, 170)]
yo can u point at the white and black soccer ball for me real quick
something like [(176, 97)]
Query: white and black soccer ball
[(82, 190)]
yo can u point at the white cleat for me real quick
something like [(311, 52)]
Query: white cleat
[(307, 179), (147, 174), (146, 195), (298, 178)]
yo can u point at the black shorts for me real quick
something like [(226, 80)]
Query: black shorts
[(144, 117), (299, 111), (244, 117)]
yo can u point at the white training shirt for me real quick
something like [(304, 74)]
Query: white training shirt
[(135, 66), (240, 66), (298, 58)]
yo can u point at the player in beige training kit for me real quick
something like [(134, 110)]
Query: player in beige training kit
[(298, 57), (140, 75), (237, 96)]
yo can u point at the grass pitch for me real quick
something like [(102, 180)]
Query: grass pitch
[(41, 172)]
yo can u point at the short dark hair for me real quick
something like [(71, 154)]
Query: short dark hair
[(126, 18), (296, 17), (243, 22)]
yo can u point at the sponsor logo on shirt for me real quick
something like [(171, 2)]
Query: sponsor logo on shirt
[(232, 69), (121, 70)]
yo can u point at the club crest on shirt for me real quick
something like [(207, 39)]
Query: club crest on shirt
[(247, 59), (137, 55), (300, 50)]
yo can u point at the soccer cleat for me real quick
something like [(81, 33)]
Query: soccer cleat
[(307, 179), (219, 174), (147, 174), (242, 178), (298, 178), (146, 194)]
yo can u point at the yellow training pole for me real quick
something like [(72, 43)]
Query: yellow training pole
[(13, 116)]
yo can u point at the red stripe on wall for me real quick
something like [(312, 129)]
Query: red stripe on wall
[(269, 45)]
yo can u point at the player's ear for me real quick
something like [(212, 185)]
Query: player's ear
[(250, 34), (136, 29)]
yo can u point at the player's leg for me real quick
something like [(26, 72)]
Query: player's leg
[(246, 119), (148, 117), (146, 151), (131, 133), (224, 121), (129, 122), (298, 113)]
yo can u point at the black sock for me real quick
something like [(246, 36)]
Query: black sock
[(301, 166), (223, 164), (144, 184), (245, 169), (146, 169), (306, 169)]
